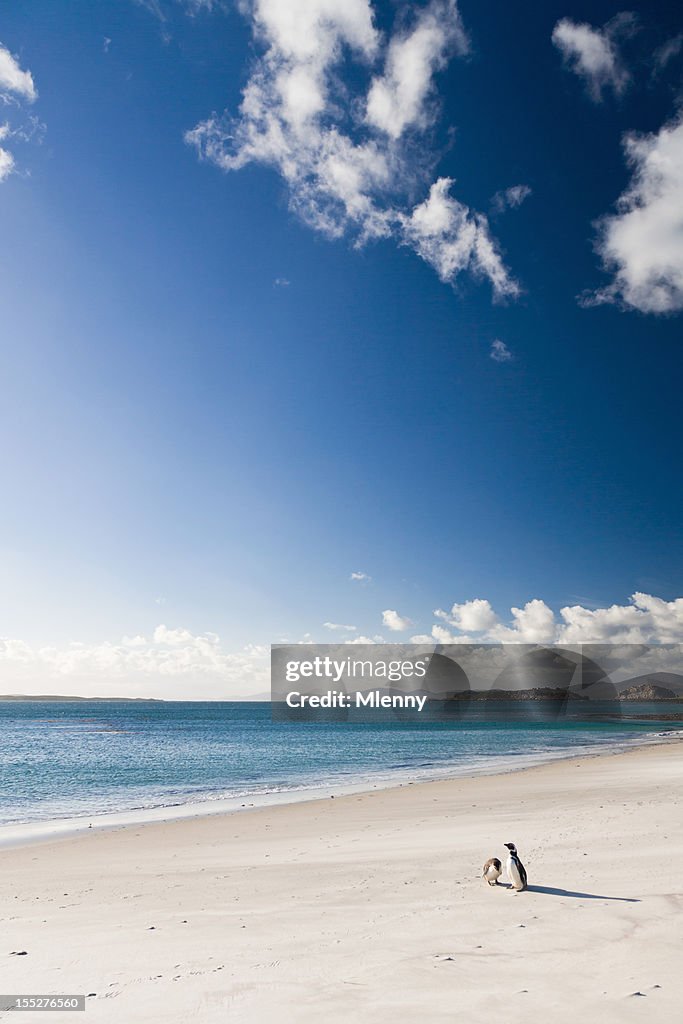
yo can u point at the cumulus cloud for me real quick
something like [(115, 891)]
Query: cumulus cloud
[(360, 577), (500, 353), (593, 53), (644, 620), (353, 150), (534, 623), (472, 616), (641, 244), (395, 622)]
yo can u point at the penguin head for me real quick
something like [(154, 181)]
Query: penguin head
[(511, 847)]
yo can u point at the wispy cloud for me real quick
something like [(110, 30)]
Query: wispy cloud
[(352, 156), (500, 353), (360, 577), (641, 244), (667, 52), (339, 627), (510, 198), (593, 53)]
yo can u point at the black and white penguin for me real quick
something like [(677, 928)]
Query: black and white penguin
[(492, 871), (515, 869)]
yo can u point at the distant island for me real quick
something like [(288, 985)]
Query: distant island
[(644, 691), (62, 697), (534, 693), (648, 691)]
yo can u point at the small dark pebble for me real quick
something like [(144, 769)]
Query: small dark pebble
[(20, 953), (151, 928), (91, 994), (637, 993)]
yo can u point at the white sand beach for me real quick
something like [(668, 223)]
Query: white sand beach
[(370, 907)]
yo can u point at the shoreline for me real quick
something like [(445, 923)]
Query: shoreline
[(371, 906), (24, 834)]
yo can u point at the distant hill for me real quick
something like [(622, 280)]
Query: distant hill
[(672, 681)]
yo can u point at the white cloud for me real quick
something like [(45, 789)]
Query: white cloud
[(500, 353), (347, 150), (510, 198), (15, 80), (642, 243), (452, 238), (593, 53), (6, 158), (281, 282), (475, 616), (360, 577), (398, 98), (645, 619), (15, 85), (174, 663), (395, 622), (534, 624), (339, 627), (171, 663)]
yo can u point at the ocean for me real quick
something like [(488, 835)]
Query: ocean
[(74, 761)]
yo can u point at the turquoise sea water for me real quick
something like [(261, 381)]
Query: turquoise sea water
[(70, 759)]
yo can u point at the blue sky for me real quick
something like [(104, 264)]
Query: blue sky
[(214, 412)]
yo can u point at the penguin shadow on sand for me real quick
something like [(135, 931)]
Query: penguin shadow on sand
[(552, 890)]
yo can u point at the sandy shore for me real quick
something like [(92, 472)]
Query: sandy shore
[(370, 907)]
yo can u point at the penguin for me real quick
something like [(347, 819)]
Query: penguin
[(492, 871), (515, 869)]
